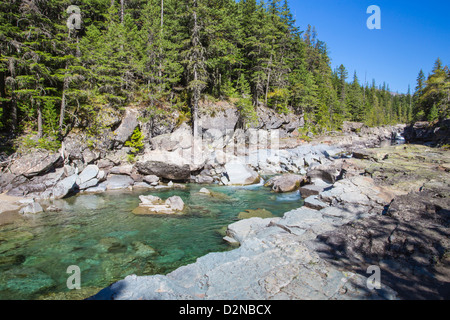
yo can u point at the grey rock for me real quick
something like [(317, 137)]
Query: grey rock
[(176, 203), (37, 163), (142, 185), (89, 156), (313, 189), (313, 202), (88, 184), (151, 179), (123, 169), (224, 118), (90, 172), (97, 189), (286, 183), (62, 188), (241, 174), (202, 179), (164, 165), (126, 128), (31, 208), (323, 175)]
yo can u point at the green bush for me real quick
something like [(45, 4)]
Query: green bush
[(136, 143)]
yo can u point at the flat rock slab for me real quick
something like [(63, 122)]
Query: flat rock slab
[(313, 189), (313, 202), (247, 274), (117, 182)]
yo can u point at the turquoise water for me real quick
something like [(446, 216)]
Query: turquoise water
[(100, 234)]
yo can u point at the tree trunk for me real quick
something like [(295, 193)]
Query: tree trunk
[(39, 111), (4, 103), (195, 108), (268, 80), (160, 47), (121, 10), (63, 104)]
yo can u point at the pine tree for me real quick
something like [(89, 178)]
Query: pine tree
[(195, 62)]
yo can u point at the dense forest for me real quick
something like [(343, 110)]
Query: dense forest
[(170, 54)]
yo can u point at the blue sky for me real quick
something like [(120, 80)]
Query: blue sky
[(413, 34)]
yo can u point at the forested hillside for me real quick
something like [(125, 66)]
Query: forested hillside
[(169, 54)]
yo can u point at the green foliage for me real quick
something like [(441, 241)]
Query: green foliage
[(51, 118), (136, 142), (433, 115), (30, 142), (249, 52)]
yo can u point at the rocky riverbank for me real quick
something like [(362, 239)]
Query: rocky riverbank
[(221, 155), (388, 207), (358, 210)]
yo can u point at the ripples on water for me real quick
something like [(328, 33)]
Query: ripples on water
[(99, 234)]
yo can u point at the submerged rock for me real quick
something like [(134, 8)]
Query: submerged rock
[(204, 191), (155, 205), (260, 213), (31, 208)]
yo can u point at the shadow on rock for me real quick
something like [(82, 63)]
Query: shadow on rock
[(410, 244)]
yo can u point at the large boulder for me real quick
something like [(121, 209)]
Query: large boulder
[(164, 164), (286, 183), (64, 187), (36, 163), (126, 128), (241, 174)]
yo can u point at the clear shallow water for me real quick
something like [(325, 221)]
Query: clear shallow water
[(100, 234)]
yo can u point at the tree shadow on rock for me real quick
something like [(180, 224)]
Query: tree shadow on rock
[(410, 244)]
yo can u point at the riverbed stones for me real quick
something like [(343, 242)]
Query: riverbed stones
[(25, 280)]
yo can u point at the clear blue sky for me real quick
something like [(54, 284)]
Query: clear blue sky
[(413, 35)]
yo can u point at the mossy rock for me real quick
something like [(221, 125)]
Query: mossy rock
[(259, 213)]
